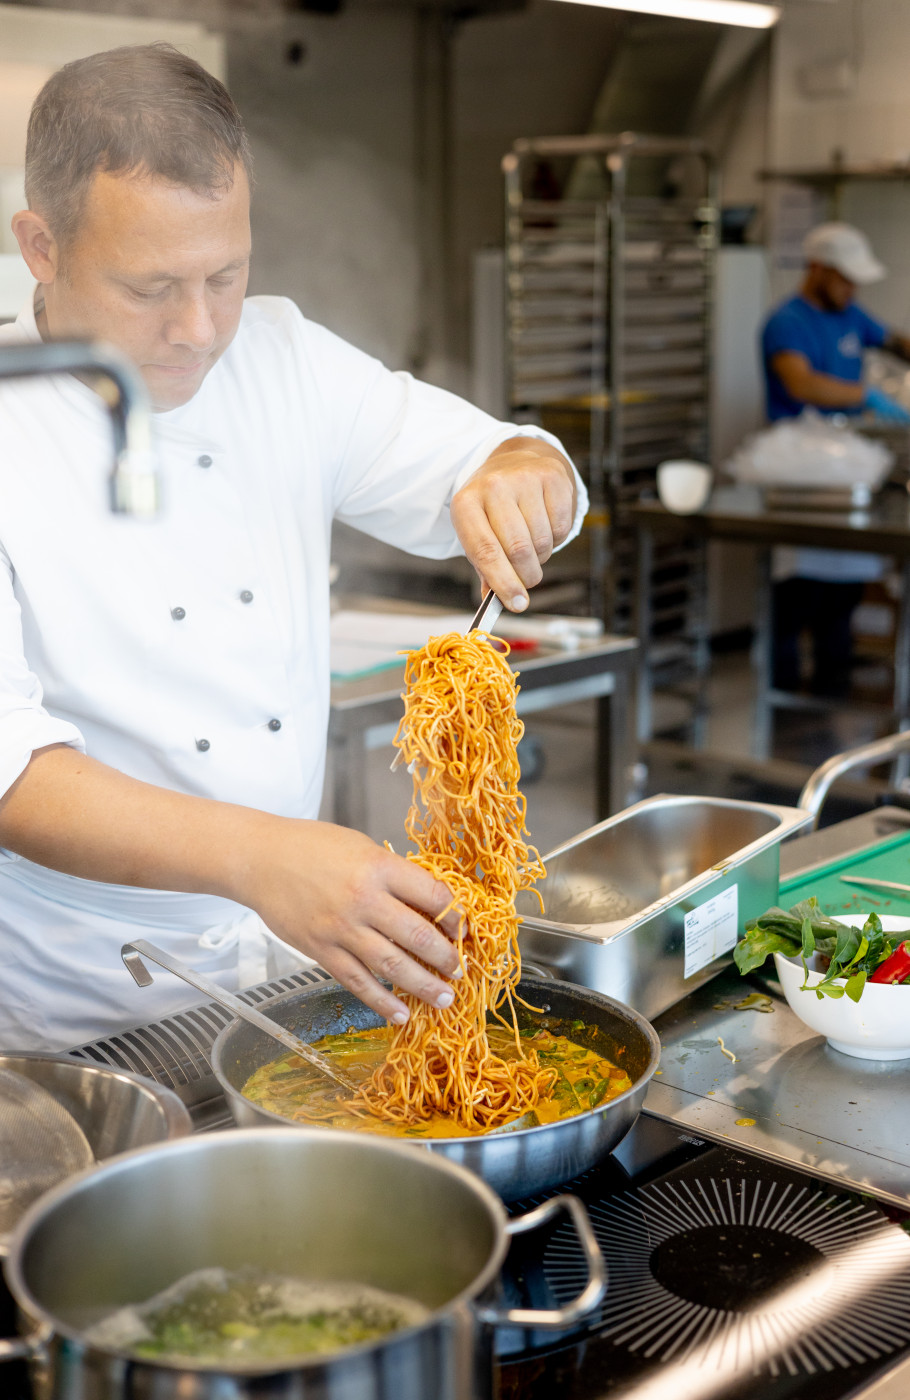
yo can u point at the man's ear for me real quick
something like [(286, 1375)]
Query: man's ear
[(37, 244)]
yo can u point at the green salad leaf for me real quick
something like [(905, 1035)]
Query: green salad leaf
[(852, 953)]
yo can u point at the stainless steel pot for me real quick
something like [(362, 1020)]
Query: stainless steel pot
[(515, 1164), (304, 1203)]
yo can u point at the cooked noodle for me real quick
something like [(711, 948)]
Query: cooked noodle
[(459, 736)]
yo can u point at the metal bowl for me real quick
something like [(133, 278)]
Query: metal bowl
[(519, 1163), (116, 1111)]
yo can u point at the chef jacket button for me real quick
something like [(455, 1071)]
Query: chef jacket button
[(274, 725), (178, 614), (246, 596), (203, 745), (204, 461)]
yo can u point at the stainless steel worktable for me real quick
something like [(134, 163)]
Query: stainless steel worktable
[(788, 1096), (365, 714), (736, 513), (797, 1100)]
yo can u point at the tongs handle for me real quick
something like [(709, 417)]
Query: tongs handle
[(487, 615), (143, 978), (593, 933)]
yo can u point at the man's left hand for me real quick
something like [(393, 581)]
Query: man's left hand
[(512, 513)]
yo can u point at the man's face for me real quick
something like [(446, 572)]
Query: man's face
[(160, 272), (834, 290)]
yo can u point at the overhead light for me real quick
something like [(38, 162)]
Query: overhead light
[(741, 12)]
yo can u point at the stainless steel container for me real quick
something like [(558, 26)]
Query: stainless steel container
[(518, 1163), (303, 1203), (641, 890), (115, 1110)]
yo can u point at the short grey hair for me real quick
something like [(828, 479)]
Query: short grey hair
[(146, 109)]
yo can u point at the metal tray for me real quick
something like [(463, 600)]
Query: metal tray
[(857, 497), (627, 886)]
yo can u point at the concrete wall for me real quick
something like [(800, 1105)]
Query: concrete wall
[(335, 207), (344, 150), (863, 48)]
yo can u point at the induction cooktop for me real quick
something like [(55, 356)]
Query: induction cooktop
[(730, 1277)]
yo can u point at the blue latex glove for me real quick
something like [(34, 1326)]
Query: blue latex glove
[(884, 408)]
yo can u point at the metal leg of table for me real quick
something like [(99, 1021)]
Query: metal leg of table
[(644, 566), (901, 767), (615, 747), (701, 630), (762, 649), (349, 802)]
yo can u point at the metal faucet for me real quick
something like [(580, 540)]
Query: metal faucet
[(134, 477)]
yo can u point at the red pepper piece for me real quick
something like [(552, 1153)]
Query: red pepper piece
[(896, 968)]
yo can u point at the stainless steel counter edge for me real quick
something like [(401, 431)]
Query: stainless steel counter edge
[(893, 1385), (843, 1166)]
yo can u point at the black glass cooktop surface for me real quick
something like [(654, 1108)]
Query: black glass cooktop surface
[(730, 1278)]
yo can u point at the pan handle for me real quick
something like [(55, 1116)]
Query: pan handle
[(593, 1291)]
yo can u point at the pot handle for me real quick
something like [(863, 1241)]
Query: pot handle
[(31, 1348), (591, 1294)]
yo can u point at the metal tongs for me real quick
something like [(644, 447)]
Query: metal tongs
[(143, 978), (487, 615)]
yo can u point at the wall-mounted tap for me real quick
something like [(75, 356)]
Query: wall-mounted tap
[(134, 478)]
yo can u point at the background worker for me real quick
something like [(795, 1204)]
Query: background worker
[(812, 351)]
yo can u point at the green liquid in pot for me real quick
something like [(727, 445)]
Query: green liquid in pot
[(221, 1318)]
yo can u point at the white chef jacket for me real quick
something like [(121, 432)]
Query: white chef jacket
[(192, 651)]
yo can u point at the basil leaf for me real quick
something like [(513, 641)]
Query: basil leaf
[(758, 944), (808, 938), (845, 946), (855, 984)]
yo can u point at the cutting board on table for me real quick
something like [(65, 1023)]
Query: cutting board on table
[(890, 860), (363, 643)]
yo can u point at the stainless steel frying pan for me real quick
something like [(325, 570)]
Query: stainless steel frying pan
[(518, 1163)]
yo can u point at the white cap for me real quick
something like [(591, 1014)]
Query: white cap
[(844, 248)]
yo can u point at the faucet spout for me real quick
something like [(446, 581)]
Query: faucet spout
[(134, 476)]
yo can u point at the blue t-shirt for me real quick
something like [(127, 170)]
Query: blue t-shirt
[(832, 342)]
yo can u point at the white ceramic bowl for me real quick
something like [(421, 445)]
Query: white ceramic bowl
[(877, 1027), (684, 487)]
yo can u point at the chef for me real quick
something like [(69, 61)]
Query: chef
[(812, 350), (164, 686)]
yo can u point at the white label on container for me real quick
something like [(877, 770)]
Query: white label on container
[(711, 930)]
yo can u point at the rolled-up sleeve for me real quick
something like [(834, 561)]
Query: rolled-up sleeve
[(25, 724), (404, 448)]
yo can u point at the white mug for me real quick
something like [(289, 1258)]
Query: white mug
[(684, 487)]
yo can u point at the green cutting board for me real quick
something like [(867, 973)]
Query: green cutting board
[(888, 861)]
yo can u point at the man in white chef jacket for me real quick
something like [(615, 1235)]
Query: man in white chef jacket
[(164, 687)]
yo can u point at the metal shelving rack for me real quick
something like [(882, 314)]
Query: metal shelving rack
[(608, 323)]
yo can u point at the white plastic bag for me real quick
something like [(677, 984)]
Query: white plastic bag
[(808, 451)]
